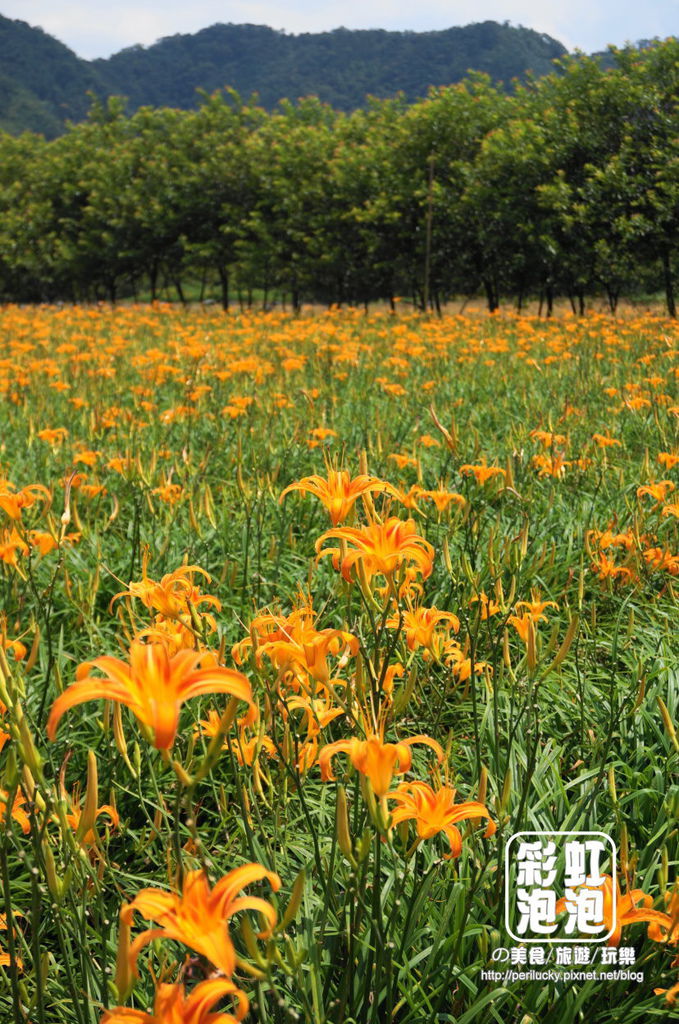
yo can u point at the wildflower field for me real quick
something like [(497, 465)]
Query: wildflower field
[(301, 619)]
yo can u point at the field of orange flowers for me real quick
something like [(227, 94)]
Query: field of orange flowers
[(300, 620)]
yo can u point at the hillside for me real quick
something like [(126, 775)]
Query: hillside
[(340, 67), (43, 83)]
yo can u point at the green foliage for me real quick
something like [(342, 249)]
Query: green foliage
[(47, 84), (341, 67), (567, 186)]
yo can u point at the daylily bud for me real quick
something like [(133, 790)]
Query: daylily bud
[(10, 775), (27, 748), (35, 647), (403, 699), (251, 942), (669, 724), (295, 901), (531, 654), (342, 826), (624, 848), (119, 737), (53, 880), (192, 518), (611, 785), (663, 870), (630, 623), (89, 813), (181, 773), (483, 785), (124, 976), (581, 584), (447, 561), (506, 789), (363, 848)]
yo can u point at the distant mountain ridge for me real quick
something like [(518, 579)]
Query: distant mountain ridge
[(43, 83)]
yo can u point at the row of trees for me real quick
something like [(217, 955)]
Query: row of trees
[(568, 186)]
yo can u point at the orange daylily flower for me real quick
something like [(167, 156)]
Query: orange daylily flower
[(173, 634), (402, 459), (658, 491), (338, 492), (43, 541), (442, 498), (668, 459), (603, 441), (535, 607), (12, 545), (669, 933), (428, 441), (53, 435), (320, 433), (92, 490), (626, 910), (461, 664), (488, 605), (419, 627), (173, 595), (153, 684), (435, 811), (169, 493), (87, 457), (554, 465), (14, 502), (662, 559), (374, 758), (380, 548), (246, 750), (605, 568), (173, 1006), (18, 813), (409, 499), (75, 813), (199, 916), (292, 643), (481, 472), (671, 994), (523, 624), (318, 710), (547, 438)]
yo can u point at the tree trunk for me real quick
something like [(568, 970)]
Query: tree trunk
[(549, 292), (491, 294), (669, 284), (153, 280), (224, 282)]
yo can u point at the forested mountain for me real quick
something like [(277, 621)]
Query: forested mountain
[(339, 67), (43, 83)]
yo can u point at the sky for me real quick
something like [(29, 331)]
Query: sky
[(98, 28)]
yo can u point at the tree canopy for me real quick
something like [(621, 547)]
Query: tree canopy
[(567, 186)]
